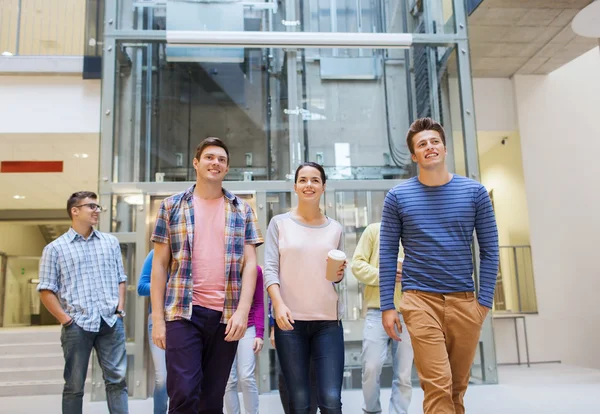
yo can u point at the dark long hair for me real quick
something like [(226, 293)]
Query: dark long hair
[(314, 165)]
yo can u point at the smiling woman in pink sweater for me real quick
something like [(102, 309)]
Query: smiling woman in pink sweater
[(305, 303)]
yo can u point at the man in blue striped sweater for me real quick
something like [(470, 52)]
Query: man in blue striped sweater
[(435, 215)]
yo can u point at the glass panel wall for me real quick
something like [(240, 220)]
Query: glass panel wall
[(347, 109), (326, 16)]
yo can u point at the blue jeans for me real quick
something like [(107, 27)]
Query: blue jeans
[(161, 399), (374, 354), (321, 342), (109, 344)]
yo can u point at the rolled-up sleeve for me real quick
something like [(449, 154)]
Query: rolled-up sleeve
[(253, 234), (161, 228), (49, 273), (119, 259)]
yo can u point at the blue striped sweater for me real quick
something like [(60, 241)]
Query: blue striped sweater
[(436, 227)]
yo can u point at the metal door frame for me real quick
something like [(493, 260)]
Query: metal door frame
[(3, 273)]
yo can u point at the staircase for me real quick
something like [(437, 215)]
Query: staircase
[(31, 361)]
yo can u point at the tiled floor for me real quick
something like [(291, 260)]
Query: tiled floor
[(547, 389)]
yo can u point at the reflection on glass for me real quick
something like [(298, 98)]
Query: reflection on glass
[(128, 256), (278, 203), (123, 212)]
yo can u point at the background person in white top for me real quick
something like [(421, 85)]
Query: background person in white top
[(305, 303)]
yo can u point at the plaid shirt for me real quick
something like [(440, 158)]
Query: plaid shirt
[(175, 225), (85, 276)]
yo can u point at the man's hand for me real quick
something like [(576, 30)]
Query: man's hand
[(237, 325), (391, 323), (283, 317), (159, 334), (65, 320), (484, 310), (258, 345), (272, 336)]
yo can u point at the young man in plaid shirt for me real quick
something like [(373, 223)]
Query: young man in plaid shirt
[(202, 283)]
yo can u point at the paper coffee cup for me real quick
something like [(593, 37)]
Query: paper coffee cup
[(336, 259)]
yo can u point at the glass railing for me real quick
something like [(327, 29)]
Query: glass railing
[(42, 27)]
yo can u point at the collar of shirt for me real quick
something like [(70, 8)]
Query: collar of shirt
[(73, 235), (188, 195)]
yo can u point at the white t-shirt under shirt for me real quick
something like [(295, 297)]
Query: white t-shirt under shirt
[(296, 259)]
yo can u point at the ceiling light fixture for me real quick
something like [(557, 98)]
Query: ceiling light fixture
[(18, 197), (81, 155)]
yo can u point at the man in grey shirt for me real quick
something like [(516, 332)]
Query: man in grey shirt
[(82, 283)]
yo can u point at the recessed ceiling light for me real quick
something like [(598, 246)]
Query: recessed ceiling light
[(6, 53), (18, 197), (81, 155)]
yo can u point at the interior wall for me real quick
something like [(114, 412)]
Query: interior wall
[(20, 240), (48, 190), (557, 117), (48, 27), (502, 174), (495, 114), (49, 104)]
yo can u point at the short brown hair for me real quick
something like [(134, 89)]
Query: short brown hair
[(420, 125), (76, 199), (211, 142)]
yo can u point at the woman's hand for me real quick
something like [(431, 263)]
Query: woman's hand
[(283, 317), (340, 272), (258, 345)]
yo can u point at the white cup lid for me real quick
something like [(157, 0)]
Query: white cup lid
[(337, 255)]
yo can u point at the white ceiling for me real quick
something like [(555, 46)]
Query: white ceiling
[(510, 37), (48, 190)]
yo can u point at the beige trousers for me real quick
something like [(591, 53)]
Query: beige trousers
[(444, 330)]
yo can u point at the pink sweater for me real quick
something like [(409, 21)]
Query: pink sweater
[(296, 259)]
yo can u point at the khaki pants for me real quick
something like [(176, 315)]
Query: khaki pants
[(444, 330)]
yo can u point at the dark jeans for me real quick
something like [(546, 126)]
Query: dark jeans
[(319, 342), (109, 344), (284, 395), (196, 349)]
